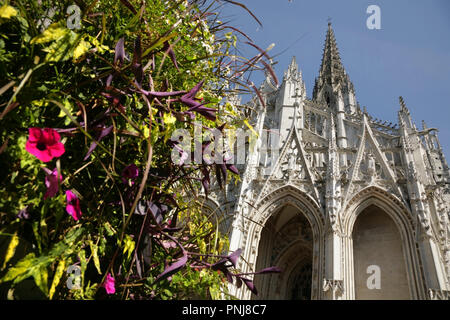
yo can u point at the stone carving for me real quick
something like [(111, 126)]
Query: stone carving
[(334, 161)]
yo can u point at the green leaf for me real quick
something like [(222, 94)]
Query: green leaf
[(57, 277), (81, 49), (62, 49), (21, 270), (11, 249), (128, 246), (54, 32), (94, 250), (40, 276)]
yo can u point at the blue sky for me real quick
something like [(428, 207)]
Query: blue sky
[(409, 56)]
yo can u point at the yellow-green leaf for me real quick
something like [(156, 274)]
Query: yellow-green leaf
[(146, 132), (62, 48), (54, 32), (128, 246), (11, 249), (81, 49), (40, 276), (6, 12), (57, 277), (94, 250), (20, 270), (169, 118)]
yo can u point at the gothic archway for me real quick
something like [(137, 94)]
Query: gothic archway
[(252, 232), (378, 257), (395, 216), (286, 241)]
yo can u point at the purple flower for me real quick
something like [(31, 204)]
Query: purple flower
[(73, 205), (52, 182), (130, 173), (25, 212)]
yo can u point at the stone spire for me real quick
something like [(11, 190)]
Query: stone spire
[(292, 71), (332, 75), (404, 115)]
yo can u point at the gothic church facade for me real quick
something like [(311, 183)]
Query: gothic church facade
[(352, 207)]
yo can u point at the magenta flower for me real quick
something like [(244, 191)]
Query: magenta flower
[(130, 173), (109, 284), (44, 144), (73, 205), (52, 182)]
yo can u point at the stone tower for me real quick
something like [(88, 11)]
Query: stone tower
[(348, 206)]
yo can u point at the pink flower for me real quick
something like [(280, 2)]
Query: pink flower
[(52, 182), (109, 284), (73, 205), (44, 144)]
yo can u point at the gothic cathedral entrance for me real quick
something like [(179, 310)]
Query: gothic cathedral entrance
[(286, 241)]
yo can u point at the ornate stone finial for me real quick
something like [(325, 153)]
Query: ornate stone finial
[(292, 72), (403, 107)]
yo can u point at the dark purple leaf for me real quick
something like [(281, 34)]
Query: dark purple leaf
[(223, 167), (220, 128), (263, 52), (162, 94), (246, 9), (127, 4), (208, 113), (205, 183), (191, 94), (137, 62), (258, 93), (272, 73), (229, 276), (237, 30), (109, 80), (103, 133), (232, 168), (269, 270), (173, 268), (168, 49), (238, 282), (119, 51), (250, 285), (234, 257)]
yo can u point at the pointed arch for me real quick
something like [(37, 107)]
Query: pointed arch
[(401, 216), (271, 205)]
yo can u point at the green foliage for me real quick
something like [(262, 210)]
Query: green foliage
[(55, 77)]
